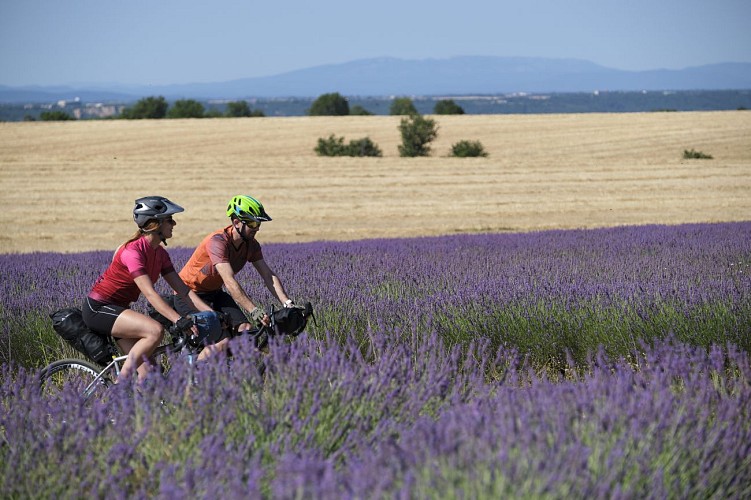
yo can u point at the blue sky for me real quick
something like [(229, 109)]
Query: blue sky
[(48, 42)]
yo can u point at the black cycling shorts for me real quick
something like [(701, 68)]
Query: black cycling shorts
[(100, 316), (219, 301)]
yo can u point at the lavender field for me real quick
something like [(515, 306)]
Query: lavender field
[(598, 363)]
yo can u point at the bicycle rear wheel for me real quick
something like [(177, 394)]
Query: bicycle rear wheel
[(73, 374)]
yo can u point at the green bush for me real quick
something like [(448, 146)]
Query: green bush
[(690, 154), (364, 147), (334, 146), (468, 149), (55, 116), (417, 133)]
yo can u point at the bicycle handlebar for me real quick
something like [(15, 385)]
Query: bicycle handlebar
[(178, 338)]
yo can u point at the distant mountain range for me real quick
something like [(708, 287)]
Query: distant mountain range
[(470, 75)]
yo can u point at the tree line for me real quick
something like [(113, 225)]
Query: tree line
[(332, 104), (335, 104), (157, 107), (583, 102)]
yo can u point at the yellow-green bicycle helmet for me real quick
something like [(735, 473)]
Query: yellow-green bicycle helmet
[(246, 208)]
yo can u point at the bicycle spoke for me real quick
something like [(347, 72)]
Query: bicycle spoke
[(79, 378)]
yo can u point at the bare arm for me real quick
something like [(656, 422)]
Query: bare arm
[(233, 287), (147, 289), (183, 291), (271, 280)]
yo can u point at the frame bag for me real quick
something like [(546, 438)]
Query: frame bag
[(68, 323)]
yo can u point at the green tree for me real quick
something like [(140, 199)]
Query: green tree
[(402, 106), (147, 108), (213, 113), (417, 133), (333, 104), (186, 108), (237, 109), (447, 107), (55, 116), (358, 110), (241, 109)]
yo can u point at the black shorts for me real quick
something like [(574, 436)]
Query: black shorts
[(219, 301), (100, 316)]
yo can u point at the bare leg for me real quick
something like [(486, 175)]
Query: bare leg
[(212, 349), (222, 345), (142, 334), (126, 345)]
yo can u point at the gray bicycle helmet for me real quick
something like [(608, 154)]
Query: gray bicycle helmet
[(153, 207)]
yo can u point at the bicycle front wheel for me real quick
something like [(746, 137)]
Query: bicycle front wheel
[(77, 375)]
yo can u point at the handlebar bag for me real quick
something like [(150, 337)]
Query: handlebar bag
[(292, 320)]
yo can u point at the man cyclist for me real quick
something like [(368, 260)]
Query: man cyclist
[(220, 256)]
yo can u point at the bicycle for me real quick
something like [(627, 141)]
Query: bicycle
[(89, 379)]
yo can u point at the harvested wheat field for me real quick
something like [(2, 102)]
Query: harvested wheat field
[(70, 186)]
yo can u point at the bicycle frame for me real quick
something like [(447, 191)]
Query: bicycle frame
[(118, 361), (95, 377)]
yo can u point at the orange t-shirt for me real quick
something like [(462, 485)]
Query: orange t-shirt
[(200, 272)]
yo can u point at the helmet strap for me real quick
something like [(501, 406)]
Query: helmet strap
[(242, 232), (239, 233)]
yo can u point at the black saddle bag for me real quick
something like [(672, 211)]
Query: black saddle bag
[(68, 323)]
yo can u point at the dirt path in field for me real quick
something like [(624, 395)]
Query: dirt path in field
[(70, 186)]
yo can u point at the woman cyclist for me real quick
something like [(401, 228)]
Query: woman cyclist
[(135, 267)]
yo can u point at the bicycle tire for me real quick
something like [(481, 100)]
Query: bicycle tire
[(73, 374)]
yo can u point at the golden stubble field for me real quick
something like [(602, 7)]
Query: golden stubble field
[(70, 186)]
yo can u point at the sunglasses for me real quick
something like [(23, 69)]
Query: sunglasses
[(252, 224)]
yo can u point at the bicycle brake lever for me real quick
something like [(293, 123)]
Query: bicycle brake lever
[(272, 322), (179, 339)]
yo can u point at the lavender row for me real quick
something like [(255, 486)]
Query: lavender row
[(548, 293), (420, 420)]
